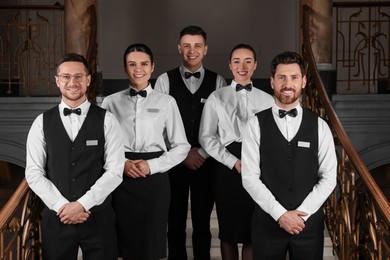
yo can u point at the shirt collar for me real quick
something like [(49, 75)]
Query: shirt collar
[(83, 106), (233, 84), (148, 89), (184, 69), (275, 109)]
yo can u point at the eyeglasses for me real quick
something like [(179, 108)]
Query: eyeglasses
[(65, 78)]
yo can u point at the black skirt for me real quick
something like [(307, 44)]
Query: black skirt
[(233, 203), (142, 206)]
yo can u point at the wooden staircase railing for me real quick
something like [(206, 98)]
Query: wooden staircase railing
[(357, 212), (20, 234)]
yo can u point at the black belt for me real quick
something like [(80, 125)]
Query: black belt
[(143, 156), (235, 149)]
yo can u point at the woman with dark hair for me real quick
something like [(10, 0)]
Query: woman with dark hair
[(154, 142), (224, 116)]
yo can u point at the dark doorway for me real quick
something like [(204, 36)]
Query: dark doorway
[(381, 175), (10, 177)]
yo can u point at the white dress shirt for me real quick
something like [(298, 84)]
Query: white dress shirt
[(150, 124), (224, 116), (251, 157), (36, 160), (192, 84)]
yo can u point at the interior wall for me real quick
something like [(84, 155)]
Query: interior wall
[(269, 26)]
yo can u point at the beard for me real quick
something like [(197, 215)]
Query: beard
[(287, 100)]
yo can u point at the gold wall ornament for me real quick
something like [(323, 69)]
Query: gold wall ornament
[(31, 42)]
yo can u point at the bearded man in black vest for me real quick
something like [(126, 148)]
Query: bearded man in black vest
[(289, 168), (190, 84), (74, 161)]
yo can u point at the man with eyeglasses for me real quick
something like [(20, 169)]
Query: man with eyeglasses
[(74, 161)]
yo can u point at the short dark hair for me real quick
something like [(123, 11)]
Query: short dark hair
[(73, 57), (243, 46), (193, 30), (288, 57), (140, 47)]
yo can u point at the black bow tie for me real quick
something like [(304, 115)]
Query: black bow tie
[(68, 111), (241, 87), (293, 112), (134, 92), (188, 75)]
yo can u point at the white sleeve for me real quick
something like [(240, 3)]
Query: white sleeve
[(221, 82), (208, 134), (114, 161), (176, 136), (162, 83), (251, 172), (35, 168), (327, 172)]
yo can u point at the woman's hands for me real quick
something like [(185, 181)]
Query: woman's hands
[(137, 168)]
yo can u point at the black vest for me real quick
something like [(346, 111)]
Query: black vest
[(73, 167), (191, 105), (289, 169)]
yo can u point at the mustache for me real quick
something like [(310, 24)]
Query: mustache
[(288, 89)]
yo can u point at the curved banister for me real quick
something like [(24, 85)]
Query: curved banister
[(358, 204), (20, 235), (13, 203)]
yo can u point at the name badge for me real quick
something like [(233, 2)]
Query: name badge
[(92, 142), (153, 110), (203, 100), (303, 144)]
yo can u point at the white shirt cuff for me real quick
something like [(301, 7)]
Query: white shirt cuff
[(153, 165), (231, 161), (59, 204), (277, 212), (203, 153), (87, 205)]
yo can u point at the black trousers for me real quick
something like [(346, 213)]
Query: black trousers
[(270, 242), (196, 184), (96, 237)]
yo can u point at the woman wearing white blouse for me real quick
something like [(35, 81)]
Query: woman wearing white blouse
[(154, 142), (225, 114)]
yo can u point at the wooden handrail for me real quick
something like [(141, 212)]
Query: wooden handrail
[(33, 7), (20, 234), (360, 4), (357, 216), (357, 162), (13, 203)]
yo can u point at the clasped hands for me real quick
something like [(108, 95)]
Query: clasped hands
[(292, 221), (73, 213), (137, 168), (194, 160)]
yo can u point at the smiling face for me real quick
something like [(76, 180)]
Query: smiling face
[(192, 49), (288, 83), (139, 68), (242, 64), (73, 93)]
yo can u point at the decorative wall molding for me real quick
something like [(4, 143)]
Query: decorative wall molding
[(366, 119)]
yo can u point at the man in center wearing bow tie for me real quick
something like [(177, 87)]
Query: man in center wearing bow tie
[(289, 168), (75, 160), (190, 84)]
